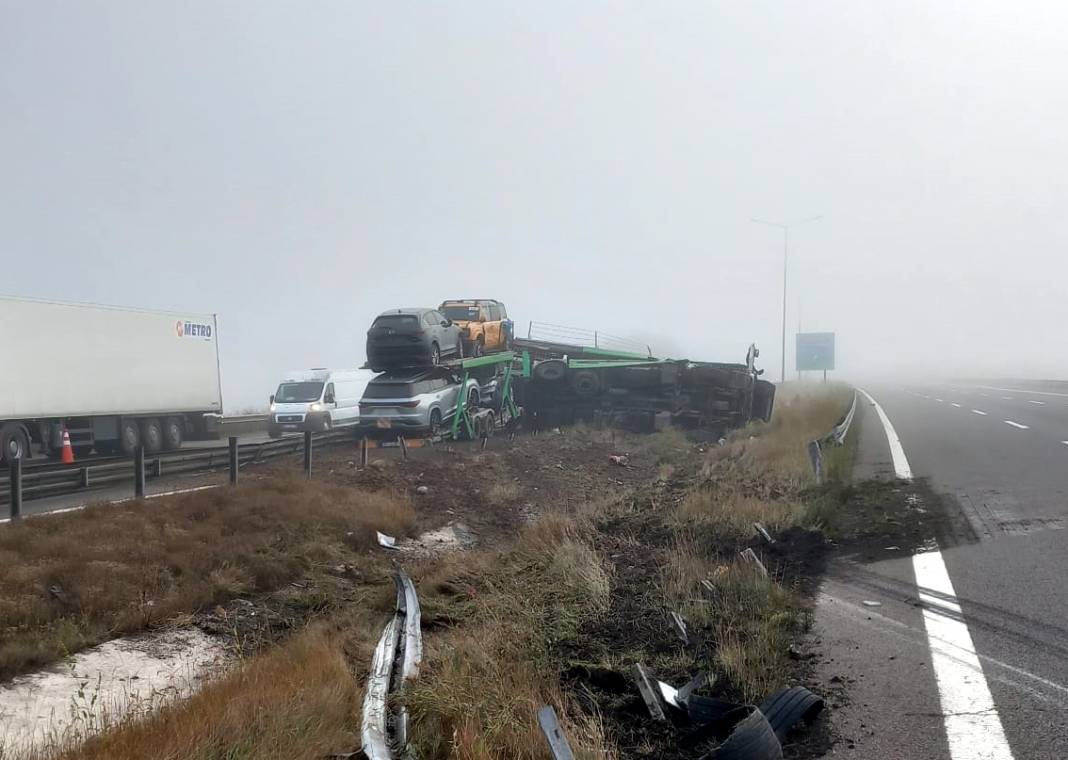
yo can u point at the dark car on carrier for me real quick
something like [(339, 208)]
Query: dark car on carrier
[(406, 338)]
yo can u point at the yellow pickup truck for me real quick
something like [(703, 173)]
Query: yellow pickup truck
[(483, 322)]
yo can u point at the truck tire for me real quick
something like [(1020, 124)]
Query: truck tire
[(129, 436), (550, 370), (14, 443), (172, 433), (585, 383), (152, 435)]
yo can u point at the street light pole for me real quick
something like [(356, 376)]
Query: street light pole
[(785, 258)]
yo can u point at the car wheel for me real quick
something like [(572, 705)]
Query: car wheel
[(13, 443), (274, 432), (129, 437), (459, 349), (435, 355), (172, 433), (435, 422), (472, 399), (479, 348), (326, 424), (152, 435)]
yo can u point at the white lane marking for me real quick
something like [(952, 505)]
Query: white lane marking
[(938, 400), (1039, 403), (985, 395), (978, 411), (973, 728), (954, 403), (1017, 425), (1007, 398), (1065, 443), (1024, 390), (897, 454)]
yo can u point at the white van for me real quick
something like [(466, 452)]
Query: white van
[(317, 399)]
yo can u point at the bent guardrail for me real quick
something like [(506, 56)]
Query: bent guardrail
[(836, 437)]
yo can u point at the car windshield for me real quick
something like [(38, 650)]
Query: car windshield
[(296, 393), (389, 390), (460, 313), (403, 321)]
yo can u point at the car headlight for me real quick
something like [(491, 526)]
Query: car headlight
[(316, 407), (273, 407)]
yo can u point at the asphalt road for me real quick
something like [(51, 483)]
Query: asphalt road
[(1001, 454)]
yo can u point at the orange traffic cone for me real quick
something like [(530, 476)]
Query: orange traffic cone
[(68, 452)]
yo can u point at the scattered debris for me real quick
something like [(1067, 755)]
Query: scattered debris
[(764, 532), (680, 626), (870, 603), (550, 726), (422, 490), (618, 459), (649, 694), (750, 556), (387, 541)]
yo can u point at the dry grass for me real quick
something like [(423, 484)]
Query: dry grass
[(731, 515), (485, 680), (123, 568), (752, 618), (775, 452), (503, 492), (299, 700)]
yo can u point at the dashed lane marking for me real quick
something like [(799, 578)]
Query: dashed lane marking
[(1017, 425), (978, 411)]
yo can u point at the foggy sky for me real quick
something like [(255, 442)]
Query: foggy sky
[(298, 167)]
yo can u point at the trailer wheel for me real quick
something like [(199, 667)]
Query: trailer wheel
[(550, 370), (129, 436), (585, 382), (172, 433), (13, 443), (152, 435)]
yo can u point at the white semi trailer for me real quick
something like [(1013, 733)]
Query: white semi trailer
[(114, 378)]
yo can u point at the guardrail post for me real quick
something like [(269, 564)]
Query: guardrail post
[(85, 477), (15, 475), (307, 453), (363, 451), (233, 460), (403, 445), (139, 472)]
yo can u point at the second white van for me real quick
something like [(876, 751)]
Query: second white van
[(317, 399)]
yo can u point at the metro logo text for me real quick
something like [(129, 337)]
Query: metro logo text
[(191, 330)]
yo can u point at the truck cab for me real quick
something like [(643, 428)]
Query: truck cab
[(483, 322), (317, 399)]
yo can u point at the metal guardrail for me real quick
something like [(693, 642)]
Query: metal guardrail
[(399, 650), (53, 479), (836, 437)]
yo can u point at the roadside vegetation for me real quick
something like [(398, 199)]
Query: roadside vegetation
[(553, 608), (73, 580)]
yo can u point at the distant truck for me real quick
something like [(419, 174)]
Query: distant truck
[(115, 378)]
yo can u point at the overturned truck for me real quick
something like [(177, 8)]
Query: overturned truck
[(568, 383)]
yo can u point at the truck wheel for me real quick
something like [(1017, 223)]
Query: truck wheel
[(550, 370), (13, 443), (435, 422), (129, 437), (585, 382), (435, 355), (172, 433), (152, 435)]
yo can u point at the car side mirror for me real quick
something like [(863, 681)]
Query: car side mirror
[(446, 323), (329, 399), (272, 398)]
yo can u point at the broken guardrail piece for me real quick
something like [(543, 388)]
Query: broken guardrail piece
[(680, 626), (550, 726), (401, 639), (651, 695), (750, 556), (759, 527)]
